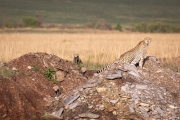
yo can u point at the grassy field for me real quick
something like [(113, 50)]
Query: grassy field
[(86, 11), (98, 48)]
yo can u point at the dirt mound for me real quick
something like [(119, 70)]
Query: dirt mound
[(122, 91), (23, 96)]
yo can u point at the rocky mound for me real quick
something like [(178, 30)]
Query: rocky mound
[(121, 92), (124, 92)]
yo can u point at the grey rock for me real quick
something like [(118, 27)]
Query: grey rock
[(73, 105), (144, 104), (141, 87), (156, 117), (59, 112), (124, 70), (88, 85), (130, 67), (89, 115), (143, 111), (124, 88), (118, 74), (114, 101), (51, 117), (159, 110), (71, 99), (132, 86), (131, 108), (134, 74), (154, 112)]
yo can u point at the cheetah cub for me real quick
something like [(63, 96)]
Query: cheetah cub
[(133, 56)]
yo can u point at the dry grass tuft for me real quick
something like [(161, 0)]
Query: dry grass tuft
[(96, 48)]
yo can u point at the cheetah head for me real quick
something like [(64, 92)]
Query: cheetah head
[(147, 40)]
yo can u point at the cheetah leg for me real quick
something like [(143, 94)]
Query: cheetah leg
[(141, 62)]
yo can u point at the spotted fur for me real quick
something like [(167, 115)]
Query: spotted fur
[(133, 56)]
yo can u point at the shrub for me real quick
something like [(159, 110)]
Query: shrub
[(155, 28), (51, 75), (35, 68), (118, 27), (6, 72), (30, 22)]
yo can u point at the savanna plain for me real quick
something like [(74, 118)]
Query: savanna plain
[(96, 49)]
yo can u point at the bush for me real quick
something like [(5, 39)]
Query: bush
[(51, 75), (155, 28), (30, 22), (6, 72), (118, 27)]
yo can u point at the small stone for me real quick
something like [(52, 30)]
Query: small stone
[(154, 112), (141, 87), (45, 64), (156, 117), (71, 99), (172, 106), (56, 88), (134, 74), (131, 108), (132, 86), (14, 69), (114, 113), (97, 99), (89, 115), (51, 116), (101, 107), (143, 111), (4, 115), (124, 88), (91, 106), (118, 74), (59, 112), (159, 110), (83, 69), (73, 105), (101, 89), (144, 104), (88, 85), (60, 76), (29, 67), (114, 101), (110, 109)]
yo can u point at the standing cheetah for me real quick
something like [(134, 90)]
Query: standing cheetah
[(133, 56)]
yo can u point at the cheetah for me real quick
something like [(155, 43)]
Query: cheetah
[(133, 56)]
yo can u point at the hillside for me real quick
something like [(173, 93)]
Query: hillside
[(87, 11)]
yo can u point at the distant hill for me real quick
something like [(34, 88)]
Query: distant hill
[(86, 11)]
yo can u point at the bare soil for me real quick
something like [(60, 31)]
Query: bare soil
[(22, 95)]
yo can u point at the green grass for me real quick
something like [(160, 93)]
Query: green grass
[(86, 11), (6, 73)]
